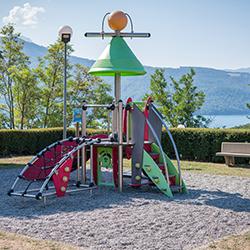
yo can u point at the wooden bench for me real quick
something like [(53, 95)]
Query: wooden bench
[(230, 150)]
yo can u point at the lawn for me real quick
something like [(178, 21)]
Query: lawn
[(233, 242), (186, 166), (18, 161), (11, 241)]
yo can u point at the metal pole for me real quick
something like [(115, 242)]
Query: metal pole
[(117, 93), (91, 163), (120, 151), (84, 115), (83, 165), (128, 126), (65, 93), (78, 155)]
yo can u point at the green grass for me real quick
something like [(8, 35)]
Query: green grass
[(209, 168), (186, 166), (14, 162), (11, 241), (214, 168), (233, 242)]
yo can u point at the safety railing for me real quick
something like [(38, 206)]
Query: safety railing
[(161, 149), (171, 139)]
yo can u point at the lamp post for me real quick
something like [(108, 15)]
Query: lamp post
[(65, 33)]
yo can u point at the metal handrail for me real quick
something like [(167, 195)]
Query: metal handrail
[(160, 147), (28, 165), (68, 155), (171, 139)]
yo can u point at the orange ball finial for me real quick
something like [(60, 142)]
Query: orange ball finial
[(117, 20)]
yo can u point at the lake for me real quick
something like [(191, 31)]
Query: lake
[(227, 121)]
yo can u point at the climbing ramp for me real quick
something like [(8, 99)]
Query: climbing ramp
[(48, 173)]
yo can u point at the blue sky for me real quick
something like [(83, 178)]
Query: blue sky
[(207, 33)]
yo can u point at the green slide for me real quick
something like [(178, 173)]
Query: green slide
[(153, 171)]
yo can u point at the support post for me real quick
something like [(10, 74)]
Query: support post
[(120, 151), (117, 93), (83, 165), (65, 93), (91, 163), (128, 127), (78, 156), (84, 116)]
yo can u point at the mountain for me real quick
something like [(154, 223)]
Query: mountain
[(241, 70), (227, 91)]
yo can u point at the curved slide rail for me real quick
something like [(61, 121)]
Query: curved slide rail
[(160, 147), (171, 139)]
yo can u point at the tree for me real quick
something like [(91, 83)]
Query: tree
[(178, 100), (11, 47), (26, 97), (50, 75), (92, 89)]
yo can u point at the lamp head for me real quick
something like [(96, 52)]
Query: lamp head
[(65, 33)]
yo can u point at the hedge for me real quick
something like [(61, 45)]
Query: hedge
[(193, 144), (29, 142), (202, 144)]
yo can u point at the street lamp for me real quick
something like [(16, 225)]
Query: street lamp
[(65, 33)]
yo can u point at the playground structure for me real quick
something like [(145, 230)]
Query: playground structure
[(136, 136)]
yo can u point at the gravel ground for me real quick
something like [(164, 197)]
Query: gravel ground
[(216, 206)]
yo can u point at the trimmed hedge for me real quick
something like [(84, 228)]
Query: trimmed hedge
[(193, 144), (29, 142), (202, 144)]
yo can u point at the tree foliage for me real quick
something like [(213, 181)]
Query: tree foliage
[(92, 89), (178, 100), (11, 47), (34, 97), (26, 97), (50, 75)]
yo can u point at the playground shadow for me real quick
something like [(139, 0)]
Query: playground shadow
[(219, 199), (106, 198)]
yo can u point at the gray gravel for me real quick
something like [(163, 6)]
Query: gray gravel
[(216, 206)]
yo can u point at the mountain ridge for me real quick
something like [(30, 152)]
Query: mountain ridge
[(227, 91)]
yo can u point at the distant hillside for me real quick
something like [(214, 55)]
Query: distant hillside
[(227, 91)]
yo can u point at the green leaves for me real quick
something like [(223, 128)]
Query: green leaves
[(13, 56), (178, 100), (34, 97), (92, 89)]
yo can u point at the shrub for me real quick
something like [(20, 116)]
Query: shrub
[(202, 144), (29, 142), (193, 144)]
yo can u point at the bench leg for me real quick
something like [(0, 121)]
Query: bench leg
[(232, 161), (227, 160)]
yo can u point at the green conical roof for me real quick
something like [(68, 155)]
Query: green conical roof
[(117, 58)]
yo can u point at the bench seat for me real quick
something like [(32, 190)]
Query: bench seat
[(232, 154), (230, 150)]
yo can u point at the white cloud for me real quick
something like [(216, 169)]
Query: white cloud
[(26, 15)]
